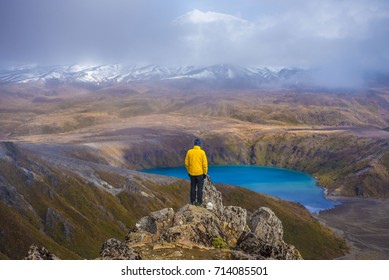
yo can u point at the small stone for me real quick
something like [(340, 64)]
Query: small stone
[(202, 228), (177, 254)]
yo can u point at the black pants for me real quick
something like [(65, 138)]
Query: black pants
[(196, 189)]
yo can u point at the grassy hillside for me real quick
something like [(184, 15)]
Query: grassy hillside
[(72, 215)]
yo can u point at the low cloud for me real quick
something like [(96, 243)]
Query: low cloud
[(341, 38), (301, 38)]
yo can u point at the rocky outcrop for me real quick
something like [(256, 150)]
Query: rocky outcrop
[(214, 226), (39, 253), (212, 198), (265, 238), (266, 226), (10, 195), (113, 249), (254, 248), (55, 222), (194, 226), (157, 221)]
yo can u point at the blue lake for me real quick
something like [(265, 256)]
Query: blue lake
[(283, 183)]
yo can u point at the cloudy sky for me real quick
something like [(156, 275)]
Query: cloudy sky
[(300, 33)]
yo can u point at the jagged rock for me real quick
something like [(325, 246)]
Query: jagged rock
[(250, 244), (212, 198), (234, 222), (149, 228), (215, 226), (156, 221), (113, 249), (194, 225), (236, 216), (266, 226), (40, 253), (265, 238), (138, 238)]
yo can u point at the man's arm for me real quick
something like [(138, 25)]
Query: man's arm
[(187, 161), (205, 164)]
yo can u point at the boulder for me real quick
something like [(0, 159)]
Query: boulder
[(156, 221), (149, 228), (266, 226), (251, 245), (39, 253), (194, 225), (113, 249), (265, 238)]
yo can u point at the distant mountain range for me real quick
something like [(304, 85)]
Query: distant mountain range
[(218, 75)]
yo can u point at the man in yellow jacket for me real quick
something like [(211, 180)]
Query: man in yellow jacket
[(197, 166)]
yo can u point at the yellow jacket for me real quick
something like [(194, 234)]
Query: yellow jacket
[(196, 161)]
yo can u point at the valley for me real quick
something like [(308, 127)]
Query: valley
[(69, 155)]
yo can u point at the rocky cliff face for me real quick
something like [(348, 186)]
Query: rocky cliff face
[(213, 231), (352, 163)]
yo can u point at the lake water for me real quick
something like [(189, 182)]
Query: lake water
[(283, 183)]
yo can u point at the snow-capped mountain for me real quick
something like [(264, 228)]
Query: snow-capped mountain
[(222, 75)]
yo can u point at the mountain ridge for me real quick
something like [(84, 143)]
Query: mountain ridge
[(123, 74)]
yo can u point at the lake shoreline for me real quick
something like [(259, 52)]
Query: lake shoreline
[(287, 184)]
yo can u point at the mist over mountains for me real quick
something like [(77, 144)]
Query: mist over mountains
[(227, 75), (219, 75)]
